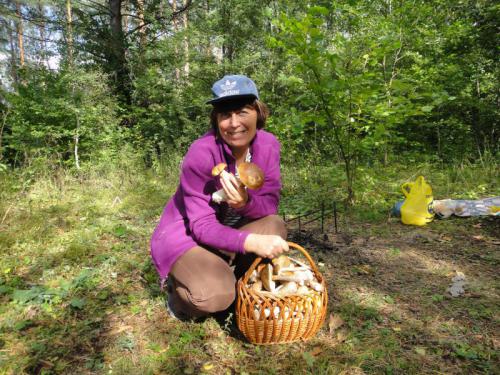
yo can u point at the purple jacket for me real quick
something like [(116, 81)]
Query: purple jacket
[(190, 218)]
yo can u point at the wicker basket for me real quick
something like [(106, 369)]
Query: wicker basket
[(290, 318)]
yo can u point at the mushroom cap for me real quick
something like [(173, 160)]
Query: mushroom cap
[(303, 290), (251, 175), (289, 287), (280, 263), (217, 170)]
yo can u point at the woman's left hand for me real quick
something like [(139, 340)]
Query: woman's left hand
[(237, 195)]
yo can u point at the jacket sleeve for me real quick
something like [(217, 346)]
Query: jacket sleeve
[(205, 228), (265, 201)]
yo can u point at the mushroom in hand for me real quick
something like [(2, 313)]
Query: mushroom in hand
[(219, 170), (250, 175)]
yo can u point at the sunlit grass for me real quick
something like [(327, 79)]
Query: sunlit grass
[(78, 291)]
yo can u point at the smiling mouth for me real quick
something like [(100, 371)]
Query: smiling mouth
[(236, 133)]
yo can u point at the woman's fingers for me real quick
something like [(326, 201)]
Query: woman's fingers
[(266, 245), (236, 194), (228, 186)]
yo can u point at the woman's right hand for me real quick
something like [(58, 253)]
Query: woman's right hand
[(265, 245)]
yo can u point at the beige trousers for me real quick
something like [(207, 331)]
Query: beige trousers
[(202, 281)]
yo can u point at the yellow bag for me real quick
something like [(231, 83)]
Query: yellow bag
[(416, 209)]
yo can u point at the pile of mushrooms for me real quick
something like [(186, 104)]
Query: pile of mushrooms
[(284, 276), (250, 175)]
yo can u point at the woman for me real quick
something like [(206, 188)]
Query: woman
[(190, 244)]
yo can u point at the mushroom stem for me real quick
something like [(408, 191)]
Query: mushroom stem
[(219, 196)]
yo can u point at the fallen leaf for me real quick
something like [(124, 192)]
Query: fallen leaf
[(317, 350), (119, 330), (335, 322), (420, 350), (445, 238), (364, 269), (207, 366), (478, 238), (477, 225), (396, 329)]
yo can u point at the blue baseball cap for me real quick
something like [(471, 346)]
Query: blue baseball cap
[(233, 87)]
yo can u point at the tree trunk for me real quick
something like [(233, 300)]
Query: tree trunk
[(186, 42), (41, 28), (77, 140), (69, 31), (118, 61), (176, 49), (142, 29), (20, 34), (4, 120), (125, 17)]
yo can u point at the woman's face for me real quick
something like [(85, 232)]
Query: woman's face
[(238, 127)]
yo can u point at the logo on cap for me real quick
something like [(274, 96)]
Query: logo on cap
[(227, 87)]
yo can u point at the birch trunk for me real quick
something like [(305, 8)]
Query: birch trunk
[(69, 36), (176, 49), (186, 41), (77, 140)]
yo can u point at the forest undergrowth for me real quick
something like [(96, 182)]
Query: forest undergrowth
[(79, 294)]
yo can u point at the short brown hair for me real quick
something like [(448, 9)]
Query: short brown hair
[(260, 107)]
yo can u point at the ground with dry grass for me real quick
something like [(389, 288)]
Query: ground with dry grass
[(78, 293)]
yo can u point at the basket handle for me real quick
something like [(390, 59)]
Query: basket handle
[(291, 245)]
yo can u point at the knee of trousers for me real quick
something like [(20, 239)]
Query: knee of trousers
[(277, 225), (206, 300)]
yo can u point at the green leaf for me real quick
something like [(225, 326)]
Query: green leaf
[(4, 289), (319, 10), (26, 295), (120, 231), (23, 324), (77, 303), (309, 358), (427, 108), (437, 297)]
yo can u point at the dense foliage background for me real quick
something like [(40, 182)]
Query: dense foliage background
[(350, 83)]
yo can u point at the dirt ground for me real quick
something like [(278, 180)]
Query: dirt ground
[(389, 285)]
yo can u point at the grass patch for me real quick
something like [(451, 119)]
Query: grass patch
[(79, 294)]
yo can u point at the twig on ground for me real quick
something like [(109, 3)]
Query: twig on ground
[(5, 215)]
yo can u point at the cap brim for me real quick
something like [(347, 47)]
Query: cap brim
[(231, 97)]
